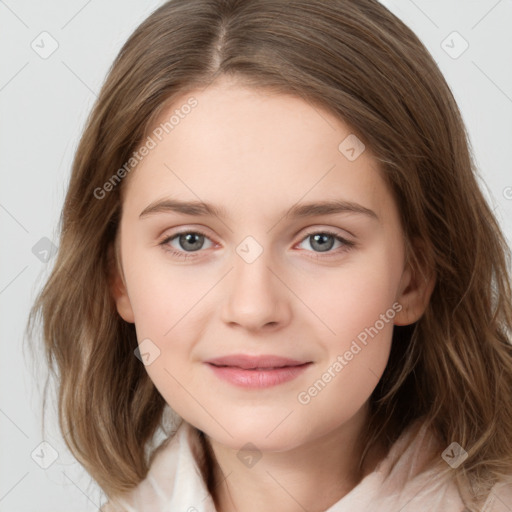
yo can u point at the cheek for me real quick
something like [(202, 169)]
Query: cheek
[(357, 308), (356, 358), (167, 301), (163, 303), (161, 293), (353, 298)]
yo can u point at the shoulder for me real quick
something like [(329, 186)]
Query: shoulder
[(110, 507), (417, 467), (500, 498), (412, 452), (174, 480), (412, 474)]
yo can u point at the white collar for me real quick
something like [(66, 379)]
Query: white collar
[(175, 483)]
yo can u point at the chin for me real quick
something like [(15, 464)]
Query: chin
[(266, 434), (248, 440)]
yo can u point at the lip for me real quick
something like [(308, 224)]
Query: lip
[(248, 362), (257, 371)]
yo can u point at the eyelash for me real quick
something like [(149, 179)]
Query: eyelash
[(347, 244)]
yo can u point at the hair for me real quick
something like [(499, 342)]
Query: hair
[(453, 367)]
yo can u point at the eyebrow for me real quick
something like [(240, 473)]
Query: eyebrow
[(200, 208)]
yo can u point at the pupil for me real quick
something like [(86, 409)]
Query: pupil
[(193, 239), (321, 240)]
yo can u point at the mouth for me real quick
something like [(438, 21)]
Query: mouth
[(261, 362), (257, 371)]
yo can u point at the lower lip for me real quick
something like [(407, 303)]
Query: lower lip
[(258, 378)]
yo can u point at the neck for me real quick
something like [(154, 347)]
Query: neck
[(312, 476)]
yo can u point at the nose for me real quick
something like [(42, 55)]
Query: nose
[(256, 298)]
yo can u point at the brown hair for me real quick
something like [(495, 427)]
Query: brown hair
[(453, 367)]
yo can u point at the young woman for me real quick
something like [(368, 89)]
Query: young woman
[(274, 238)]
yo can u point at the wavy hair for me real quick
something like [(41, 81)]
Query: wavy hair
[(453, 367)]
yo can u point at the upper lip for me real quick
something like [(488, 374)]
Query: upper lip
[(247, 362)]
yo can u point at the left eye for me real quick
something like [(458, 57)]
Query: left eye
[(192, 241), (323, 241)]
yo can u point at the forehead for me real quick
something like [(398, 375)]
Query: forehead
[(255, 148)]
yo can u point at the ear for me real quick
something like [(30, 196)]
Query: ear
[(416, 286), (117, 285)]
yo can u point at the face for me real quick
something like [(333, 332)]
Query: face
[(264, 275)]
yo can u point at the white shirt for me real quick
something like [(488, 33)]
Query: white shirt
[(174, 482)]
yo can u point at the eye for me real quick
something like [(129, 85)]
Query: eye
[(323, 242), (184, 242)]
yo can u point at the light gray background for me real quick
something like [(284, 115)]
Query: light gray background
[(44, 103)]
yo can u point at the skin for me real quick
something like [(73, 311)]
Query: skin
[(257, 154)]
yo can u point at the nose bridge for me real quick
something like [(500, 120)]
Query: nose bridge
[(252, 264), (255, 297)]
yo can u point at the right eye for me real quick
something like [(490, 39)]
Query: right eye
[(187, 242)]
